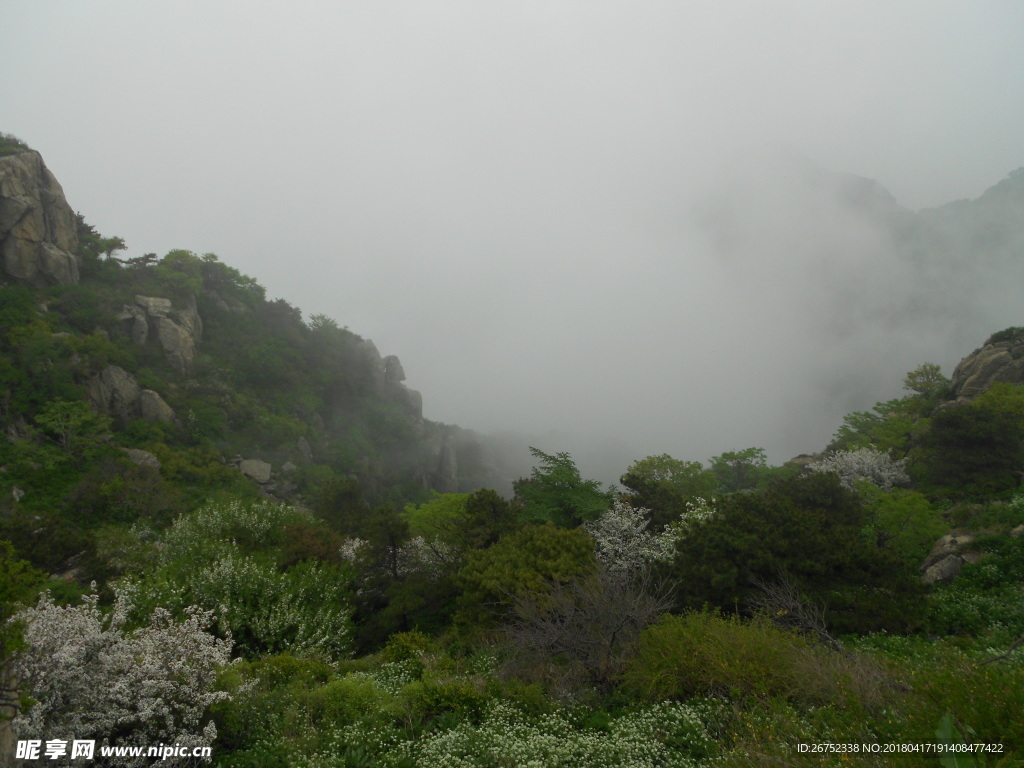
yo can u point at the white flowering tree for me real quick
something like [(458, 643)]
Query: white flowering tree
[(623, 543), (92, 678), (863, 464)]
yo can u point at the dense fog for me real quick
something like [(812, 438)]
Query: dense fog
[(618, 229)]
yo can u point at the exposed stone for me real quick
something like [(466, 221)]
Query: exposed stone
[(189, 319), (154, 408), (288, 467), (948, 557), (1018, 531), (38, 235), (17, 494), (255, 469), (1000, 361), (446, 476), (803, 460), (949, 544), (134, 324), (944, 570), (973, 556), (394, 374), (178, 331), (304, 450), (179, 345), (142, 458), (154, 306), (114, 392)]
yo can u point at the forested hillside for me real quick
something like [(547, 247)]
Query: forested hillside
[(223, 525)]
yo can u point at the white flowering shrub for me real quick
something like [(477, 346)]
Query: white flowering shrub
[(697, 511), (209, 530), (350, 548), (207, 560), (863, 464), (91, 678), (667, 735)]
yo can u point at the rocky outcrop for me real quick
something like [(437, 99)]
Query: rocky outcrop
[(255, 469), (38, 236), (154, 408), (387, 377), (142, 458), (1001, 359), (115, 393), (947, 558), (305, 451), (446, 476), (177, 330)]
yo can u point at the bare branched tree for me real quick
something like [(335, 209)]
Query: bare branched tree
[(591, 621), (782, 602)]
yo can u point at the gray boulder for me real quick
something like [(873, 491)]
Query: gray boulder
[(115, 393), (947, 557), (999, 361), (177, 330), (154, 306), (154, 408), (134, 324), (142, 458), (255, 469), (178, 344), (38, 235), (944, 570), (305, 451)]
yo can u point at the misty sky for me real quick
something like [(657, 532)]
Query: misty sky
[(514, 197)]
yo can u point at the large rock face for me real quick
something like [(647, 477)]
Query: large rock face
[(178, 331), (1001, 359), (38, 237), (114, 392)]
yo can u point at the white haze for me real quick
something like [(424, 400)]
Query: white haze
[(579, 220)]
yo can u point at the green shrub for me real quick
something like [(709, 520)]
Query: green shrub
[(1012, 333), (344, 701), (705, 654), (422, 701), (406, 646), (524, 561)]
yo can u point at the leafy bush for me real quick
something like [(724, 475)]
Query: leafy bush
[(216, 557), (704, 654), (1012, 333), (12, 145), (523, 562)]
